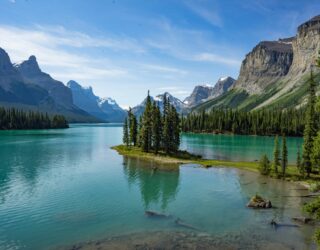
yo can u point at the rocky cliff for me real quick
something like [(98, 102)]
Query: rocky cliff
[(202, 93), (275, 73), (222, 86), (32, 74), (265, 64)]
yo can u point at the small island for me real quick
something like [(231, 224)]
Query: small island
[(156, 138)]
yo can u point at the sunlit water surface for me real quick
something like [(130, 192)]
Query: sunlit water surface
[(60, 187)]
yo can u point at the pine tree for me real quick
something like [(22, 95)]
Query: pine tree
[(156, 128), (276, 154), (315, 155), (133, 127), (284, 159), (175, 134), (264, 165), (146, 129), (166, 139), (125, 137), (299, 166), (310, 127)]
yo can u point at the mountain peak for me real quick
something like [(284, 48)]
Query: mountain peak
[(5, 63), (30, 66), (73, 84)]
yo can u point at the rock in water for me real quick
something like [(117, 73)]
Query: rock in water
[(258, 202)]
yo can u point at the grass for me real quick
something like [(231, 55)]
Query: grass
[(183, 157)]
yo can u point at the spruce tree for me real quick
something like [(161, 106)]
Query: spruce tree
[(299, 166), (125, 137), (166, 139), (310, 127), (133, 128), (315, 155), (284, 159), (146, 129), (276, 154), (156, 127), (175, 134)]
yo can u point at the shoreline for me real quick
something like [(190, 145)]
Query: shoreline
[(173, 163)]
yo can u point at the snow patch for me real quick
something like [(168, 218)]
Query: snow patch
[(223, 78)]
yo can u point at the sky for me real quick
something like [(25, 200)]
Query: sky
[(123, 48)]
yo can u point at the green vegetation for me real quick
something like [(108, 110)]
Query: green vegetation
[(298, 164), (155, 132), (133, 128), (264, 165), (284, 159), (310, 129), (276, 153), (313, 208), (260, 122), (311, 148), (125, 137), (18, 119), (183, 157), (315, 154)]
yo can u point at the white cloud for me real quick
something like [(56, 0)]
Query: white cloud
[(50, 48), (163, 69), (208, 13), (213, 58)]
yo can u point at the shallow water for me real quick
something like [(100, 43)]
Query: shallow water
[(60, 187)]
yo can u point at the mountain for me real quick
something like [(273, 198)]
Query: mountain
[(179, 105), (275, 73), (222, 86), (202, 93), (21, 89), (198, 95), (105, 109), (32, 74), (114, 113)]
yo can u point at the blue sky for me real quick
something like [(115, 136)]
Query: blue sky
[(122, 48)]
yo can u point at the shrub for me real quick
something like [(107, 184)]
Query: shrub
[(264, 165)]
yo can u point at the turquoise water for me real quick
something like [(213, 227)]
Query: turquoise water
[(238, 147), (60, 187)]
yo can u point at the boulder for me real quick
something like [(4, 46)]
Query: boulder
[(258, 202)]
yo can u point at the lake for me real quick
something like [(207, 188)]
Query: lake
[(62, 187)]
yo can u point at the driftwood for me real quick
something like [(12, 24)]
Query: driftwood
[(156, 214), (304, 220), (277, 225), (303, 196), (180, 223)]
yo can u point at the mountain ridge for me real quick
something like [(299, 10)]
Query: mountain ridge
[(105, 108)]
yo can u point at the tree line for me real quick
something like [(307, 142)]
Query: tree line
[(17, 119), (260, 122), (156, 131)]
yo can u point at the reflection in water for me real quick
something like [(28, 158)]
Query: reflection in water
[(157, 187)]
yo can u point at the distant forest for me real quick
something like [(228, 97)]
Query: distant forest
[(263, 122), (18, 119)]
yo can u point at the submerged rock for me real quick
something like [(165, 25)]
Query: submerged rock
[(304, 220), (156, 214), (258, 202)]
